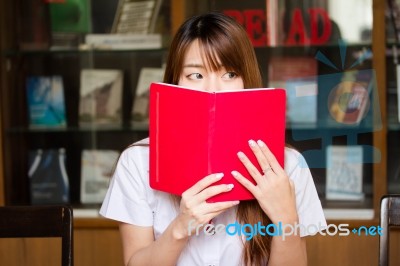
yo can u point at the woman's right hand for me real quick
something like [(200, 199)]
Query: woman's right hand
[(195, 211)]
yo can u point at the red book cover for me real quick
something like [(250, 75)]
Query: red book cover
[(196, 133)]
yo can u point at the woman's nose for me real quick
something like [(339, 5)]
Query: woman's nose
[(213, 85)]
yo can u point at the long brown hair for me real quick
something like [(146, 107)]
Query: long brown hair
[(224, 42)]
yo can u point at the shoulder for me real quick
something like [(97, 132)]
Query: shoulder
[(136, 151), (294, 160), (297, 169), (144, 142), (133, 163)]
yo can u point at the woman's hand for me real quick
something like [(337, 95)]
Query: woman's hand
[(195, 211), (274, 190)]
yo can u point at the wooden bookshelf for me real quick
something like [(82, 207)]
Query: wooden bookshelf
[(380, 137)]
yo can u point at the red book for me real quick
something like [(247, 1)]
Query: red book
[(196, 133)]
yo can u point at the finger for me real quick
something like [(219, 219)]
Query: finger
[(202, 184), (253, 171), (245, 182), (276, 167), (212, 191), (261, 158), (204, 211), (267, 170), (212, 215), (221, 206)]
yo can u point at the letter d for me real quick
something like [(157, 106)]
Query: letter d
[(235, 227)]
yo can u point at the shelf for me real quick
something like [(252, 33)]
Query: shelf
[(86, 213), (327, 126), (145, 127), (349, 214), (67, 130), (14, 53), (312, 47), (92, 218)]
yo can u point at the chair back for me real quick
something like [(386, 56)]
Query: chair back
[(42, 222), (389, 217)]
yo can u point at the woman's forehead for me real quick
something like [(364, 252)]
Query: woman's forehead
[(198, 55)]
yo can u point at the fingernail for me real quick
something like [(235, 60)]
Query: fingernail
[(235, 173), (260, 143), (252, 143), (229, 186), (219, 176), (240, 155)]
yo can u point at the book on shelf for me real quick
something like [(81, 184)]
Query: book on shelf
[(136, 16), (392, 21), (196, 133), (100, 97), (103, 14), (134, 27), (301, 100), (34, 31), (48, 179), (45, 99), (349, 100), (70, 20), (344, 172), (70, 16), (140, 107), (298, 75), (123, 41), (96, 171)]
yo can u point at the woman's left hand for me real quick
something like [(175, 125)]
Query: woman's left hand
[(273, 190)]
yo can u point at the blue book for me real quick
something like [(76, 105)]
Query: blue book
[(48, 177), (45, 98), (301, 96)]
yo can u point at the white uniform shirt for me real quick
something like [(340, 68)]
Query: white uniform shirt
[(131, 200)]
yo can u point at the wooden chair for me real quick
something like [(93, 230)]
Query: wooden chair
[(41, 222), (389, 217)]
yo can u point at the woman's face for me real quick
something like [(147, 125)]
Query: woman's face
[(195, 75)]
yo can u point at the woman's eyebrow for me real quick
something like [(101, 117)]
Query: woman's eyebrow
[(193, 65), (199, 65)]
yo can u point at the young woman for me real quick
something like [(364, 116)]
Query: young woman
[(212, 52)]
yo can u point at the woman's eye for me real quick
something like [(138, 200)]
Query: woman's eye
[(195, 76), (230, 75)]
